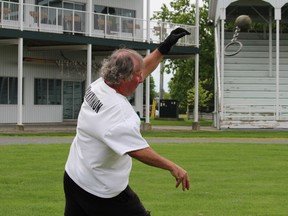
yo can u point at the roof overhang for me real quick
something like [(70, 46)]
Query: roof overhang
[(44, 40)]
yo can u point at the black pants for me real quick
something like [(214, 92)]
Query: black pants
[(81, 203)]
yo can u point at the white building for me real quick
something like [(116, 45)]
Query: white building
[(50, 51), (251, 87)]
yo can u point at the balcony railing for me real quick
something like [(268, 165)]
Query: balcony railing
[(61, 20)]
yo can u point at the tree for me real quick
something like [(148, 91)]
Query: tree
[(204, 96), (183, 12)]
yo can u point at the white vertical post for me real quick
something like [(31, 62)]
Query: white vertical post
[(20, 84), (2, 11), (196, 99), (148, 21), (217, 77), (147, 113), (89, 46), (277, 18), (222, 63), (73, 22), (105, 26), (57, 21), (89, 64), (21, 14), (270, 43), (90, 9), (215, 112), (161, 90), (277, 69), (39, 17), (147, 99)]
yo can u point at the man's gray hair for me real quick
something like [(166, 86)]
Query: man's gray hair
[(119, 66)]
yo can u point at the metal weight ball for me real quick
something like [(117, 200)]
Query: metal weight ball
[(243, 22)]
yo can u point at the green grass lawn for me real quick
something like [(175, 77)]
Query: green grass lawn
[(226, 179)]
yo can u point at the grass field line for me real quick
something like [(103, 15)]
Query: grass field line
[(53, 140)]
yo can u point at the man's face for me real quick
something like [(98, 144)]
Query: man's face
[(129, 86)]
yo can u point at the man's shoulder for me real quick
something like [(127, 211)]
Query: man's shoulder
[(112, 101)]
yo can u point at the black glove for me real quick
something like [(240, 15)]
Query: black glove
[(171, 40)]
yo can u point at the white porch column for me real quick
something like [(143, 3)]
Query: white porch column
[(196, 125), (277, 18), (218, 97), (20, 84), (89, 65), (222, 19), (147, 99), (161, 89), (147, 109), (215, 112), (89, 46)]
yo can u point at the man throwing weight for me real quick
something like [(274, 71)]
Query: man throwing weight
[(96, 179)]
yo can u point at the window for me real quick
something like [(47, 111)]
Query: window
[(8, 90), (51, 3), (48, 14), (114, 11), (128, 13), (74, 6), (47, 91), (11, 9), (113, 23), (100, 9)]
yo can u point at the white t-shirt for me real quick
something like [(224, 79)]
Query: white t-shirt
[(107, 128)]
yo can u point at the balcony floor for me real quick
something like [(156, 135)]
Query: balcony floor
[(45, 39)]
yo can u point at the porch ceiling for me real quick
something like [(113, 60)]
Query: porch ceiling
[(43, 39), (257, 10), (233, 11)]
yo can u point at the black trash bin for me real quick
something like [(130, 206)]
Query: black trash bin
[(169, 108)]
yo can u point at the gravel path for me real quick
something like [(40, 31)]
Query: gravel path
[(54, 140), (71, 126)]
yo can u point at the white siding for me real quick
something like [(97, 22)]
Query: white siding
[(31, 70), (8, 113)]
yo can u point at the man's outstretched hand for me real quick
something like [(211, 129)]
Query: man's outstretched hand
[(172, 39), (181, 177)]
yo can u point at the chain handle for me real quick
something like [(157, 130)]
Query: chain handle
[(236, 34), (234, 41)]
